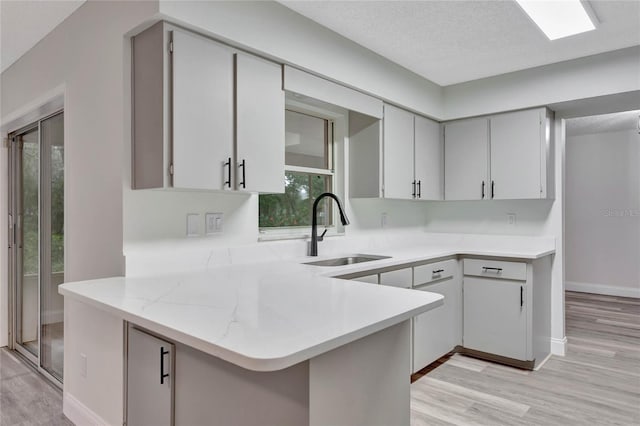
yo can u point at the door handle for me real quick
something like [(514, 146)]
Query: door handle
[(437, 271), (419, 189), (244, 179), (492, 187), (489, 268), (483, 190), (413, 194), (163, 375), (521, 296)]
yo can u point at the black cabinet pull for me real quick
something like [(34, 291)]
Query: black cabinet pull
[(492, 192), (244, 179), (413, 194), (438, 271), (521, 296), (489, 268), (228, 164), (162, 373), (483, 190), (419, 189)]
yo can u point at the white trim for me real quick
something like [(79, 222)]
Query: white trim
[(78, 413), (605, 289), (46, 104), (559, 346)]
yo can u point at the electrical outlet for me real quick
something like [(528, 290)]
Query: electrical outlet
[(511, 218), (383, 220), (83, 365), (214, 223), (193, 225)]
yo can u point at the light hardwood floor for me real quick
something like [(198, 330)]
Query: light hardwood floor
[(596, 383), (26, 398)]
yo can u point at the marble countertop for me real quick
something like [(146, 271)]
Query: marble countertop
[(273, 313)]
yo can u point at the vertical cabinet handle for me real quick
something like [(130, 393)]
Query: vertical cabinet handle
[(244, 179), (228, 181), (521, 296), (419, 189), (163, 375), (413, 194), (483, 190), (492, 192)]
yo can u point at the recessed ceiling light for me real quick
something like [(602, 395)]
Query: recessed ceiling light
[(558, 18)]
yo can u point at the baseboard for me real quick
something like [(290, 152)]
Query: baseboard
[(543, 362), (78, 413), (607, 290), (559, 346)]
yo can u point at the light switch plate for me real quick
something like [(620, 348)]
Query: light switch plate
[(511, 218), (193, 225), (214, 223)]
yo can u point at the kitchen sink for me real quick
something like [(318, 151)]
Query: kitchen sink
[(347, 260)]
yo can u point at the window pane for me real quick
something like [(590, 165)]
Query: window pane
[(294, 207), (306, 141)]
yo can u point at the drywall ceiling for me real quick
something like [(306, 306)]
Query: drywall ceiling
[(628, 120), (24, 23), (452, 41)]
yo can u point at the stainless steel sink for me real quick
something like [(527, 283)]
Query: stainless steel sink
[(347, 260)]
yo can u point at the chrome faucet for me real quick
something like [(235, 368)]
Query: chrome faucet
[(313, 247)]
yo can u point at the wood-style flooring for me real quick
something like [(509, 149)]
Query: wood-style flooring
[(26, 398), (596, 383)]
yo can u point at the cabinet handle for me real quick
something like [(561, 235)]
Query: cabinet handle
[(413, 194), (488, 268), (244, 179), (162, 373), (228, 181), (492, 192), (419, 189), (438, 271), (521, 296), (483, 190)]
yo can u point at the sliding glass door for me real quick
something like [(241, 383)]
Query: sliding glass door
[(36, 242)]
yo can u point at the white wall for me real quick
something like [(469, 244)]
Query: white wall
[(603, 213), (84, 59), (592, 76)]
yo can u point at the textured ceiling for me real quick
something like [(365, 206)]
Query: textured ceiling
[(24, 23), (452, 41), (628, 120)]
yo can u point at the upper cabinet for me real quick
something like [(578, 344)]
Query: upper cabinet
[(398, 158), (204, 116), (501, 157)]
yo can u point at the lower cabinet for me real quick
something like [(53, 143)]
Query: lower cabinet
[(507, 310), (495, 317), (150, 380), (439, 331)]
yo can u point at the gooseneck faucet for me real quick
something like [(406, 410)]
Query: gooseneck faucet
[(313, 247)]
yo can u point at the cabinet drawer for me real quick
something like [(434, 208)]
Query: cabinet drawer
[(496, 269), (400, 278), (424, 274)]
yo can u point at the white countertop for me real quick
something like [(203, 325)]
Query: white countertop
[(270, 315)]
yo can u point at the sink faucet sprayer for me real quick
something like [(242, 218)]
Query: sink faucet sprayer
[(313, 247)]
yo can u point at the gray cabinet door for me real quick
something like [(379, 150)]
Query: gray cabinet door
[(438, 331), (202, 73), (259, 125), (428, 159), (516, 140), (149, 380), (466, 160), (398, 153), (495, 317)]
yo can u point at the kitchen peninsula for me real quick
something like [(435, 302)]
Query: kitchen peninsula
[(272, 342)]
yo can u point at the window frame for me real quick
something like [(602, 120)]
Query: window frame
[(301, 232)]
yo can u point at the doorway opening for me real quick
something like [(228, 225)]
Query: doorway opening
[(36, 243)]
